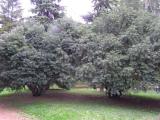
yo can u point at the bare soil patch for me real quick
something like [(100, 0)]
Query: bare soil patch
[(8, 113)]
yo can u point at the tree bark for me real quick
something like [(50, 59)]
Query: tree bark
[(115, 95), (36, 90)]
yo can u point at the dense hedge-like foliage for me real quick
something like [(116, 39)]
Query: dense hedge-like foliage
[(118, 50), (36, 58), (122, 50)]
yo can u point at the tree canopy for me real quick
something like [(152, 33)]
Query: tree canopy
[(118, 50), (123, 50), (35, 58)]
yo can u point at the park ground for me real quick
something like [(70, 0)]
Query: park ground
[(79, 104)]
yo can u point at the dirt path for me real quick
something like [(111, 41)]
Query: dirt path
[(7, 113)]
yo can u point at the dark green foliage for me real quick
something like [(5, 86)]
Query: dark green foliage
[(119, 50), (124, 51), (35, 58)]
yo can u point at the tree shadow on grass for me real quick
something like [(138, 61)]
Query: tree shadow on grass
[(132, 102)]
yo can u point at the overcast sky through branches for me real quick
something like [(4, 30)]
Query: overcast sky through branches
[(73, 8)]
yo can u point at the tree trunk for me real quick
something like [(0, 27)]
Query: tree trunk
[(36, 90), (118, 94)]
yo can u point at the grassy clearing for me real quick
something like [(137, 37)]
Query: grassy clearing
[(95, 110), (8, 91), (85, 91), (85, 111), (147, 95), (58, 109)]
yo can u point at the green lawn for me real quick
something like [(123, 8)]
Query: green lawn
[(56, 108), (8, 91), (147, 95), (85, 111)]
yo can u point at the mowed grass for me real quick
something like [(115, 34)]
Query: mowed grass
[(8, 91), (147, 95), (83, 111), (44, 108), (61, 109)]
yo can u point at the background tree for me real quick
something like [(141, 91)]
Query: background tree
[(135, 4), (47, 10), (99, 6), (10, 13), (152, 6)]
